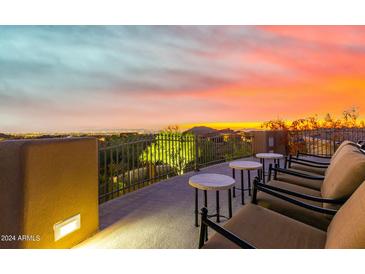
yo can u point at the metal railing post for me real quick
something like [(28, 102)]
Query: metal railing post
[(196, 139)]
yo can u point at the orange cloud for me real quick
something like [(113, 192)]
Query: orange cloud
[(149, 77)]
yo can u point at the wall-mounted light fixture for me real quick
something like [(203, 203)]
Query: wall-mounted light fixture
[(65, 227)]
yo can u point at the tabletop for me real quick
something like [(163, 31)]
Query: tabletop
[(269, 155), (246, 165), (211, 181)]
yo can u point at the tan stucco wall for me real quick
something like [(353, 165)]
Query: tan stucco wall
[(261, 141), (46, 181)]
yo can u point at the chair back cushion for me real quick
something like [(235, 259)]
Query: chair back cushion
[(347, 172), (342, 145), (338, 152), (347, 228)]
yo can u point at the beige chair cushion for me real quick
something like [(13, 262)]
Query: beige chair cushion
[(346, 174), (299, 213), (264, 228), (323, 171), (340, 152), (313, 184), (347, 229), (341, 146)]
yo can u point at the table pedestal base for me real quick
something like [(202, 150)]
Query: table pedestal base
[(217, 215)]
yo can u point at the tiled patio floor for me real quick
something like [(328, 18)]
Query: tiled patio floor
[(160, 215)]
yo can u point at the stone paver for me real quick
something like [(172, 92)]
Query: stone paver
[(160, 215)]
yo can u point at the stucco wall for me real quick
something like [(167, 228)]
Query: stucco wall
[(262, 142), (43, 182)]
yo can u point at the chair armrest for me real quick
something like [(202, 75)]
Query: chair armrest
[(301, 195), (291, 160), (325, 165), (313, 155), (205, 222), (274, 191), (297, 174)]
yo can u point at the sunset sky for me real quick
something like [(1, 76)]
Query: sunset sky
[(92, 78)]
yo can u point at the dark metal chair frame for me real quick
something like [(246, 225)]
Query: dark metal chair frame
[(206, 222), (271, 190), (313, 163), (277, 169), (297, 194), (320, 164), (313, 155), (305, 162), (276, 192)]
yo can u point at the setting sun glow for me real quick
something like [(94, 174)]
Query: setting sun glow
[(147, 77)]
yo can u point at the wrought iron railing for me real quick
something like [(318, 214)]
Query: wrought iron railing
[(141, 160), (322, 141)]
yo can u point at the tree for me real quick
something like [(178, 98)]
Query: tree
[(331, 122), (172, 128), (310, 122), (278, 124), (171, 148), (349, 119)]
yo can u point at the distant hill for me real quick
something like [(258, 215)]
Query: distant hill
[(202, 130), (205, 131), (5, 136)]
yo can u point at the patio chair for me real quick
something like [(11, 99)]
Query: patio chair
[(344, 176), (316, 166), (254, 226), (306, 178), (300, 178)]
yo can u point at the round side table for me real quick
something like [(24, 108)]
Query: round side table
[(212, 181), (271, 156), (244, 165)]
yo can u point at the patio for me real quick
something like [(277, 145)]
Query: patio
[(160, 215)]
